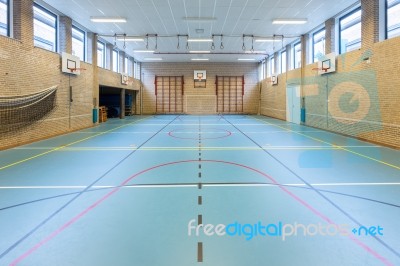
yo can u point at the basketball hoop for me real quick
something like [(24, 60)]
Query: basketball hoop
[(320, 69), (76, 69), (199, 76)]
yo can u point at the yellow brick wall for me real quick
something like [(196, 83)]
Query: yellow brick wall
[(27, 70), (204, 95), (372, 114)]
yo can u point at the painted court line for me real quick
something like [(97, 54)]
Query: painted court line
[(333, 145), (218, 148), (67, 145), (207, 185)]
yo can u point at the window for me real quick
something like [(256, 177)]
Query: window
[(130, 67), (100, 54), (78, 43), (318, 45), (115, 60), (261, 69), (4, 17), (44, 28), (297, 55), (137, 70), (126, 65), (271, 66), (350, 31), (393, 18), (283, 62)]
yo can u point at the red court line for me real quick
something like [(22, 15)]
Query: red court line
[(98, 202)]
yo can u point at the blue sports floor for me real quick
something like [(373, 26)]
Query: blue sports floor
[(199, 190)]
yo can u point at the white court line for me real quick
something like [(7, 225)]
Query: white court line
[(267, 147), (204, 185)]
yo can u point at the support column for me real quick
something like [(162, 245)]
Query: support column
[(305, 50), (92, 56), (22, 20), (330, 36), (122, 104), (65, 33), (369, 23)]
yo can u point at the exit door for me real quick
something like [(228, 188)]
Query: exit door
[(293, 105)]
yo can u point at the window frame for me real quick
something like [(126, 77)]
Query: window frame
[(136, 68), (8, 18), (126, 65), (281, 65), (351, 25), (48, 12), (387, 7), (84, 40), (104, 53), (294, 55), (314, 59), (115, 65)]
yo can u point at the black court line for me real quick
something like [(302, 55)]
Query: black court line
[(199, 252), (200, 200), (173, 185), (19, 241), (383, 243)]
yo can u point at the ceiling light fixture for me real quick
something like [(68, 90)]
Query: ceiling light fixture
[(153, 59), (108, 19), (200, 40), (246, 59), (199, 59), (289, 21)]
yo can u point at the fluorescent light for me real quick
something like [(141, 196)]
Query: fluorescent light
[(268, 39), (200, 59), (246, 59), (199, 40), (130, 39), (289, 21), (108, 19), (199, 52), (153, 59), (144, 51), (200, 19)]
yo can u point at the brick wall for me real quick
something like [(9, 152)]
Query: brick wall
[(250, 71), (372, 114), (369, 22), (65, 34), (26, 69), (330, 35)]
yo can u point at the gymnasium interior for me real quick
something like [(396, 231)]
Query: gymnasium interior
[(199, 132)]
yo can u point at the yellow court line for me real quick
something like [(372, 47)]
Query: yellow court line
[(333, 145), (67, 145)]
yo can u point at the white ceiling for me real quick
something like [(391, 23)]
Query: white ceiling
[(233, 19)]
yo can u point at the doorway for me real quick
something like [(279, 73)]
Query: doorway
[(293, 103)]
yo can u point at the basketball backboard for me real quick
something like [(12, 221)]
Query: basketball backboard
[(327, 64), (70, 64)]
